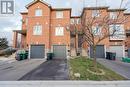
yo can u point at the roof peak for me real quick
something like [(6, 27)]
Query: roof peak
[(33, 2)]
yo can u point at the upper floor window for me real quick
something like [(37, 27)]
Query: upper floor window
[(75, 21), (72, 21), (95, 13), (59, 31), (38, 12), (96, 30), (117, 32), (37, 30), (113, 15), (59, 14), (78, 21)]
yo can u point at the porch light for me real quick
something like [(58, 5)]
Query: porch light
[(23, 21), (68, 28)]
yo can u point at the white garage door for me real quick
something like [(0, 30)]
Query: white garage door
[(119, 50)]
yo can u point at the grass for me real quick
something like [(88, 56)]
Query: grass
[(81, 64)]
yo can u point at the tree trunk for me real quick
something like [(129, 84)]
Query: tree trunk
[(94, 58)]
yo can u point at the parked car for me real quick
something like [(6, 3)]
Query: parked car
[(8, 51)]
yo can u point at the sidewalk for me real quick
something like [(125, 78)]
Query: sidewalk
[(66, 84)]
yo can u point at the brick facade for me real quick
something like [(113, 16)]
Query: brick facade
[(49, 22)]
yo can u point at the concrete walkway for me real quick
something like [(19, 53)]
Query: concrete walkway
[(66, 84), (50, 70), (117, 66)]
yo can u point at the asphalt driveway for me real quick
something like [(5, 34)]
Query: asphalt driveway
[(11, 70), (50, 70), (117, 66)]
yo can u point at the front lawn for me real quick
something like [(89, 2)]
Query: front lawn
[(81, 65)]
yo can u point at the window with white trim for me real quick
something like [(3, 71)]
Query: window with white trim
[(72, 21), (96, 30), (59, 14), (37, 30), (113, 15), (59, 31), (117, 32), (38, 12), (95, 13)]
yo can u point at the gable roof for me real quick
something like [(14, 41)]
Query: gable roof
[(35, 1)]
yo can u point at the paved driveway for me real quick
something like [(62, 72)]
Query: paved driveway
[(13, 70), (50, 70), (117, 66)]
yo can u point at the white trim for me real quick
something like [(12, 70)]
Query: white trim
[(123, 50), (105, 50), (29, 56)]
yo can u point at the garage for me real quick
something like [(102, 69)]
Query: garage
[(100, 51), (59, 51), (37, 51), (129, 52), (119, 50)]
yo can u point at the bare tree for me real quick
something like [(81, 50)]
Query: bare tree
[(98, 27)]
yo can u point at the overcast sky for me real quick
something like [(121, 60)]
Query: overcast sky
[(7, 24)]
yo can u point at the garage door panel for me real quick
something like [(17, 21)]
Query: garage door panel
[(37, 51), (59, 52), (100, 51), (119, 50)]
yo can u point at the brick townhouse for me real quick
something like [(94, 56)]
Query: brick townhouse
[(44, 30)]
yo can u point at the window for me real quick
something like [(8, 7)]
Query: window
[(113, 15), (26, 21), (38, 12), (117, 32), (37, 30), (59, 14), (75, 21), (59, 31), (95, 13), (96, 30), (78, 21), (72, 21)]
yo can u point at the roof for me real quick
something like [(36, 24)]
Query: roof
[(24, 13), (75, 16), (96, 8), (118, 9), (35, 1), (126, 13), (21, 31), (61, 9)]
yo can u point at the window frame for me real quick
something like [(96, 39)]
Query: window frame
[(59, 14), (113, 15), (57, 30), (39, 13), (95, 13), (37, 33)]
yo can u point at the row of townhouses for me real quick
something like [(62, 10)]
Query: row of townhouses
[(44, 30)]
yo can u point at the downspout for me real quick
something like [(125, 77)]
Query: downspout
[(50, 32)]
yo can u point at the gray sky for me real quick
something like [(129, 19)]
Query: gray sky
[(7, 24)]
